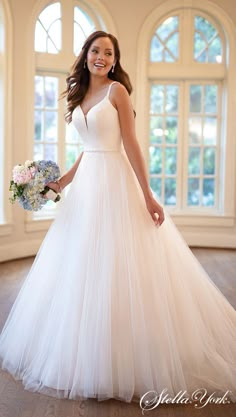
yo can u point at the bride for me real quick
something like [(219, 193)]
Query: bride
[(115, 304)]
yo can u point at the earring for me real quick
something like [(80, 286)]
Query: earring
[(85, 63), (113, 67)]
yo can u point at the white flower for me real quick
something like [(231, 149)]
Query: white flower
[(28, 163)]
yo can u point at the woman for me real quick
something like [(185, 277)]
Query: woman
[(113, 306)]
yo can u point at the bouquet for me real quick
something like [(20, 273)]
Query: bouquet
[(28, 185)]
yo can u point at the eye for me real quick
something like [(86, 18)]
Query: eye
[(94, 50), (109, 53)]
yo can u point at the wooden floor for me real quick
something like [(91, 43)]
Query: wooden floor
[(17, 402)]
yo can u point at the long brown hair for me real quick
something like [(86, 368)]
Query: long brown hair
[(78, 80)]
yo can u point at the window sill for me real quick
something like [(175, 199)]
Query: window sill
[(195, 220)]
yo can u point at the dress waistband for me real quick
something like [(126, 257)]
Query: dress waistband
[(101, 150)]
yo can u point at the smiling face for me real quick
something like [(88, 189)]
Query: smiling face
[(101, 56)]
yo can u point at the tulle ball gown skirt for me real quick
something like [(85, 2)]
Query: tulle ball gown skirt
[(113, 306)]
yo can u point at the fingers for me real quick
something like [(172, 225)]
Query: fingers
[(161, 217), (156, 212), (154, 218)]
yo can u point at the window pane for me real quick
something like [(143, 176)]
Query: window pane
[(168, 26), (170, 191), (168, 57), (155, 160), (215, 50), (38, 152), (208, 192), (54, 38), (171, 131), (50, 152), (172, 44), (51, 126), (204, 27), (210, 98), (45, 119), (195, 98), (203, 131), (156, 50), (194, 160), (210, 131), (38, 125), (157, 98), (51, 92), (193, 192), (38, 91), (156, 129), (48, 29), (172, 96), (209, 161), (165, 42), (195, 130), (155, 184), (40, 38), (207, 43), (83, 27), (170, 161), (200, 45), (164, 131)]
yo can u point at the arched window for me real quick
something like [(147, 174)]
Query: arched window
[(60, 32), (186, 78), (48, 30)]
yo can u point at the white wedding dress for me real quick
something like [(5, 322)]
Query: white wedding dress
[(114, 306)]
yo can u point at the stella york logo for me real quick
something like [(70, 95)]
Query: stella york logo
[(151, 399)]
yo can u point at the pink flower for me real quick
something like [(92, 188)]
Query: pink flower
[(21, 175)]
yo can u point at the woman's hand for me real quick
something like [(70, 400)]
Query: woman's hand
[(153, 208), (54, 186)]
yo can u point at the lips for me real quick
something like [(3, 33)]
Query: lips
[(99, 65)]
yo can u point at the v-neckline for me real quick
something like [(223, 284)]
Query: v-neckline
[(86, 115)]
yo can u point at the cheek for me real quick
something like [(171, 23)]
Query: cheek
[(90, 56)]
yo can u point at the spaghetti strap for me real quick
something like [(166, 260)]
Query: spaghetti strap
[(109, 88)]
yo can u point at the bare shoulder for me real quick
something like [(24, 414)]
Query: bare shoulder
[(118, 89), (119, 95)]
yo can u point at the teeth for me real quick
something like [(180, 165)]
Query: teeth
[(99, 65)]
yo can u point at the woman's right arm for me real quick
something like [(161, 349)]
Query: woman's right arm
[(65, 179)]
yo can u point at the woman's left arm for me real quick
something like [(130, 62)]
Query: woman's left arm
[(120, 97)]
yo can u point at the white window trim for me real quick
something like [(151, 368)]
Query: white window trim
[(142, 99), (60, 62), (7, 227)]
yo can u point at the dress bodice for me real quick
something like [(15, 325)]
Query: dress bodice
[(99, 129)]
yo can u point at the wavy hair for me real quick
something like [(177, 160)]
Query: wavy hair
[(78, 80)]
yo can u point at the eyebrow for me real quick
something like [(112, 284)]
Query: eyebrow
[(107, 49)]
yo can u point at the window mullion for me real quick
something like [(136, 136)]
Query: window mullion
[(219, 150), (187, 41), (67, 15), (185, 145)]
